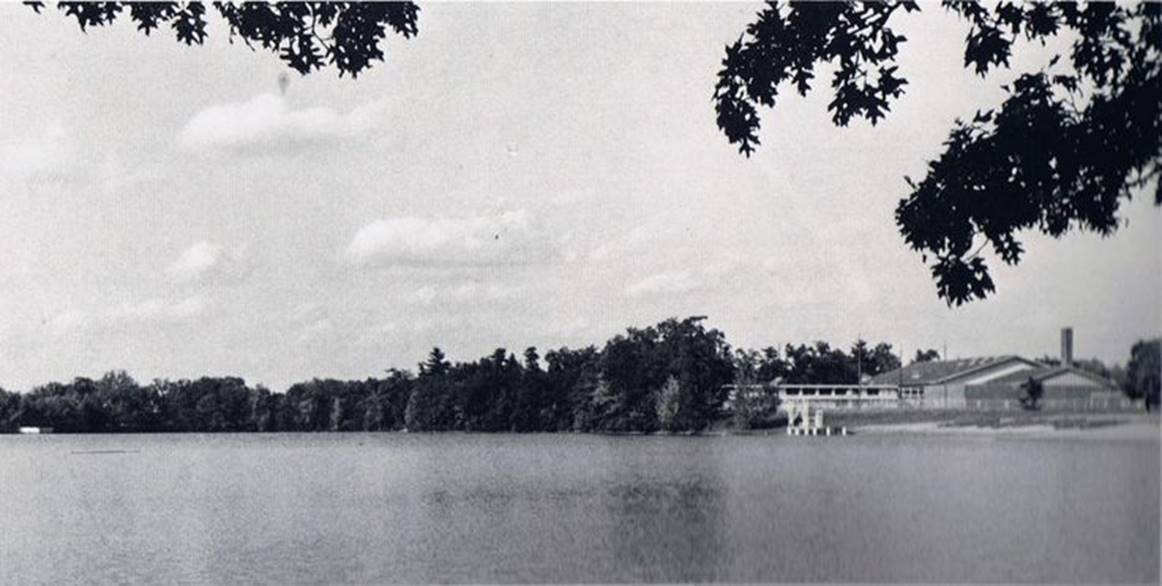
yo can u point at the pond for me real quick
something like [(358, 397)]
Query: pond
[(375, 508)]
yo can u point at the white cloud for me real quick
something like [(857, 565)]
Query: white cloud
[(472, 290), (311, 322), (466, 291), (571, 328), (195, 261), (157, 310), (46, 154), (315, 330), (633, 242), (373, 336), (508, 238), (269, 121), (664, 283), (68, 321), (211, 263), (423, 296), (306, 311), (113, 176), (55, 155), (152, 310)]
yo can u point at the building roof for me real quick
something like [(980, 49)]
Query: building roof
[(937, 371), (1048, 372)]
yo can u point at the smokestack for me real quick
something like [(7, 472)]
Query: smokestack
[(1067, 346)]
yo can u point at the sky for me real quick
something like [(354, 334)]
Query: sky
[(516, 175)]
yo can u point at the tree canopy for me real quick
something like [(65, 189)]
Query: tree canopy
[(1034, 390), (1144, 371), (926, 355), (305, 35), (672, 376), (1068, 145)]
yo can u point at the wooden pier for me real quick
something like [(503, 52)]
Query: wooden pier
[(802, 419)]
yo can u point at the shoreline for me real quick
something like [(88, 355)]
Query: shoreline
[(1072, 424), (1120, 426)]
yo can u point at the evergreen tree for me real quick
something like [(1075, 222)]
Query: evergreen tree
[(430, 406)]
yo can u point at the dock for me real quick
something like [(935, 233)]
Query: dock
[(802, 419)]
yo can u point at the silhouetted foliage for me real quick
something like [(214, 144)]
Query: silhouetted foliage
[(669, 405), (819, 364), (636, 366), (873, 361), (1144, 371), (785, 43), (1034, 390), (926, 355), (306, 35), (487, 392), (572, 377), (1062, 151), (431, 406), (10, 407), (532, 411), (672, 376), (754, 402)]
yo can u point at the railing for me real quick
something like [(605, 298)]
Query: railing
[(892, 397), (805, 419)]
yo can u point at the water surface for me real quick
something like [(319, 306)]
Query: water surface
[(374, 508)]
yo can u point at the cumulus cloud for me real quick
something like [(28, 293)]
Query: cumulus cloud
[(462, 292), (195, 261), (664, 283), (113, 176), (314, 330), (45, 154), (152, 310), (55, 155), (508, 238), (158, 310), (307, 311), (208, 262), (311, 323), (373, 335), (68, 321), (268, 120), (632, 243)]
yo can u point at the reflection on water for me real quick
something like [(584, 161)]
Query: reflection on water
[(467, 508)]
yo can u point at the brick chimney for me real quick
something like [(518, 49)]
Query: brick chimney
[(1067, 346)]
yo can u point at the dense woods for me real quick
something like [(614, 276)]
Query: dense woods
[(666, 377), (671, 377)]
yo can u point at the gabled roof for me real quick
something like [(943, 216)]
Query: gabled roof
[(938, 371), (1048, 372)]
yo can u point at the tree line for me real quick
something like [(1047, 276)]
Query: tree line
[(674, 376)]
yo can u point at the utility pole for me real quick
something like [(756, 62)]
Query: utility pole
[(859, 360), (900, 374)]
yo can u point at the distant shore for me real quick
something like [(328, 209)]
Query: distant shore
[(1058, 424)]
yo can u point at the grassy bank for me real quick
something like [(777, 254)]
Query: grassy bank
[(986, 419)]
